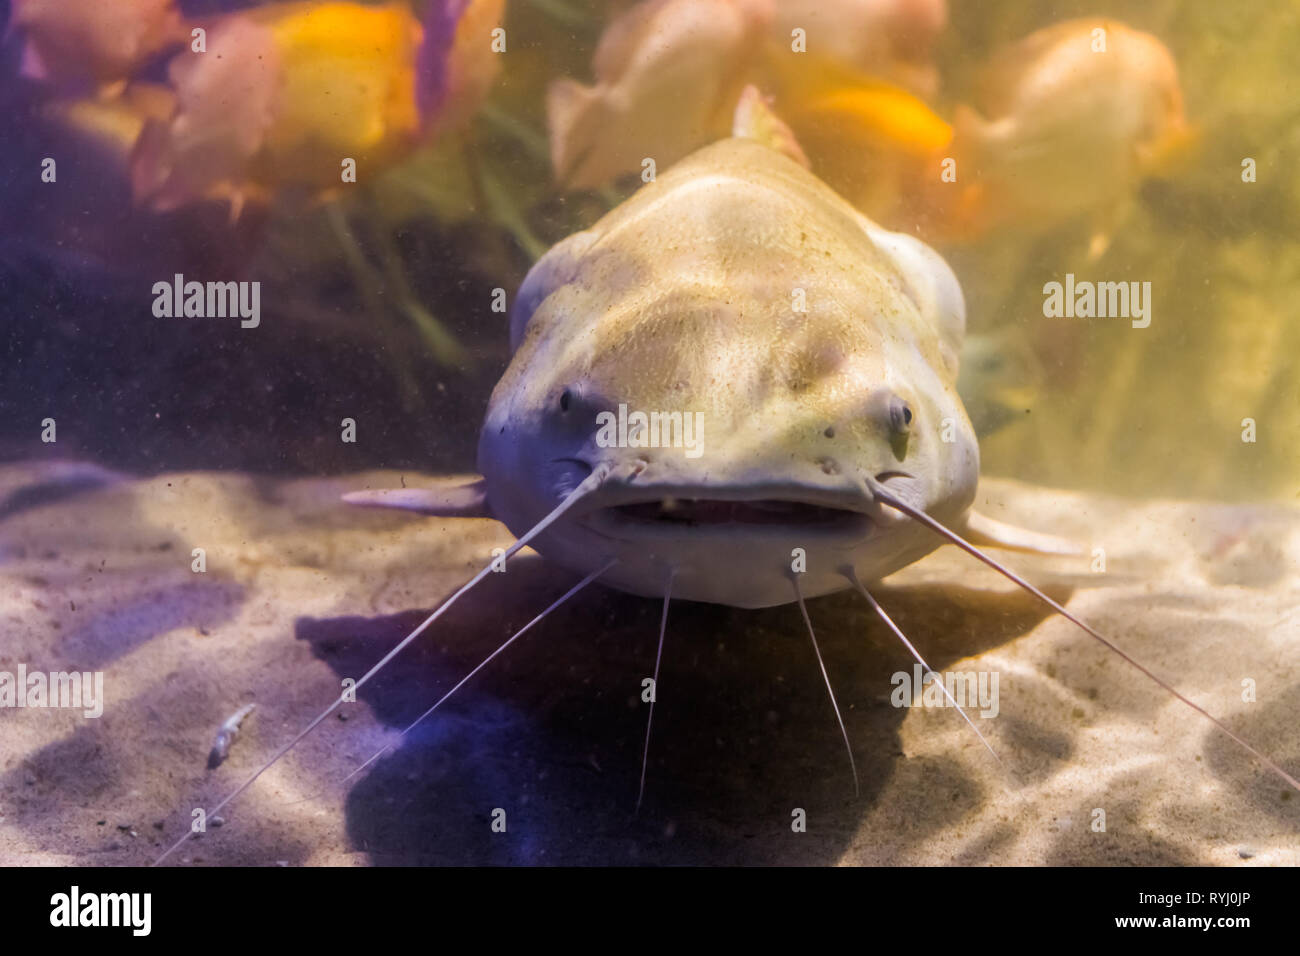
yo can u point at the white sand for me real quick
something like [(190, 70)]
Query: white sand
[(301, 591)]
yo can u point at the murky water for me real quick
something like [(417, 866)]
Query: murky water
[(377, 297)]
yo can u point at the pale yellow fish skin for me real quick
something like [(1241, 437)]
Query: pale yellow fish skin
[(684, 298)]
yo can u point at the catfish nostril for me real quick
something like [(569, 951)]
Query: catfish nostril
[(830, 431)]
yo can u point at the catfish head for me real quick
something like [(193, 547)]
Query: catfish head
[(739, 351)]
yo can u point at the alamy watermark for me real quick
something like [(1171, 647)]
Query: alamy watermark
[(61, 689), (75, 908), (1103, 300), (209, 300), (967, 689), (651, 430)]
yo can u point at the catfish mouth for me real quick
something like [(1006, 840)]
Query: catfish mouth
[(697, 512), (683, 514)]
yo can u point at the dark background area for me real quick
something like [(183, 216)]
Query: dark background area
[(79, 342)]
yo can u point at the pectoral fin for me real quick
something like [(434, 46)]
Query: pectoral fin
[(450, 500), (983, 530)]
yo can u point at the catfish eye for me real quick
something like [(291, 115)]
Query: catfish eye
[(900, 421), (565, 398), (900, 416)]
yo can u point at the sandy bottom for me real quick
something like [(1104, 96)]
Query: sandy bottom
[(301, 592)]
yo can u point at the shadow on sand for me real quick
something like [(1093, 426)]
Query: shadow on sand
[(552, 731)]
